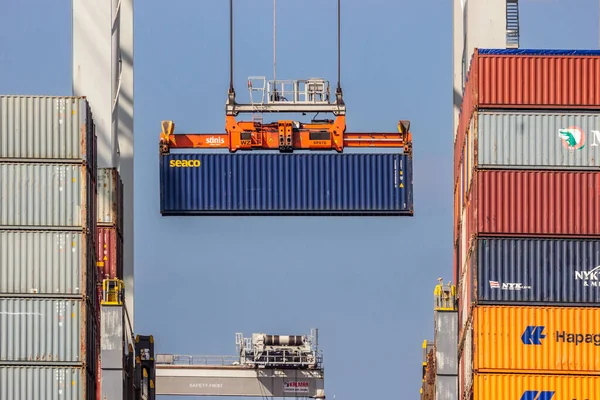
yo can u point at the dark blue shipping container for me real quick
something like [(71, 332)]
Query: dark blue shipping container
[(538, 271), (286, 184)]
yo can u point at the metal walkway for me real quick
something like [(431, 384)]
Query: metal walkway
[(204, 376)]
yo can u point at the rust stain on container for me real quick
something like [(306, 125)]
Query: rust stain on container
[(553, 340), (535, 387), (537, 203), (109, 253)]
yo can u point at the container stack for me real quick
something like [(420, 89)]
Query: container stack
[(109, 239), (527, 225), (47, 248), (110, 224)]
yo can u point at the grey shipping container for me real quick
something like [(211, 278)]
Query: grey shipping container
[(45, 383), (46, 331), (47, 128), (47, 262), (564, 140), (47, 195), (110, 198), (536, 271), (446, 387), (446, 342)]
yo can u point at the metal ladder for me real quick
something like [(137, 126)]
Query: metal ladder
[(512, 24)]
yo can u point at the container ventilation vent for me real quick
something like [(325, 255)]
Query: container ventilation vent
[(512, 24)]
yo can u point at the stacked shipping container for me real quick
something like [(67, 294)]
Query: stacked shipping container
[(109, 238), (47, 248), (527, 225)]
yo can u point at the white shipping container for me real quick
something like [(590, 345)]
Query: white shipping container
[(44, 330), (47, 128), (43, 383), (551, 139), (110, 198), (46, 262), (47, 195)]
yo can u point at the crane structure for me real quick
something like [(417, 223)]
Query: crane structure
[(285, 96), (266, 366)]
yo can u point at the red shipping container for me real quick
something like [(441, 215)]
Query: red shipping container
[(537, 203), (537, 79), (533, 203), (110, 253)]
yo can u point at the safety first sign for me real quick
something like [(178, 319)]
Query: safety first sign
[(295, 387)]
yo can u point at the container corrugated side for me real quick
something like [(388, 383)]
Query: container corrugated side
[(46, 195), (520, 140), (538, 203), (110, 198), (535, 387), (466, 361), (465, 292), (44, 383), (109, 253), (553, 340), (46, 262), (44, 330), (446, 387), (538, 271), (286, 184), (527, 80), (47, 128), (561, 81), (446, 333)]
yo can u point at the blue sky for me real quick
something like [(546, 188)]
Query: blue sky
[(366, 283)]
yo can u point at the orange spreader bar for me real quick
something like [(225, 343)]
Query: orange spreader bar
[(285, 136)]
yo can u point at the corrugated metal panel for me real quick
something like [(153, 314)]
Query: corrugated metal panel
[(535, 387), (42, 383), (446, 342), (466, 361), (559, 81), (538, 203), (293, 184), (446, 387), (554, 340), (46, 127), (42, 330), (110, 253), (464, 309), (45, 195), (110, 198), (538, 140), (44, 262), (538, 271)]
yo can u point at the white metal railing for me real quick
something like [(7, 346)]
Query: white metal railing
[(298, 91), (187, 359)]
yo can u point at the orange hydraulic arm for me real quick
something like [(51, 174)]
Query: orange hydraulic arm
[(285, 136)]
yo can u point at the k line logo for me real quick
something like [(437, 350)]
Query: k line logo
[(533, 335), (537, 395)]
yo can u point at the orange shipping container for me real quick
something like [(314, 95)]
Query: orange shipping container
[(561, 340), (535, 387)]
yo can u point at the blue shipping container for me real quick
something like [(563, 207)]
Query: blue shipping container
[(286, 184), (538, 271)]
